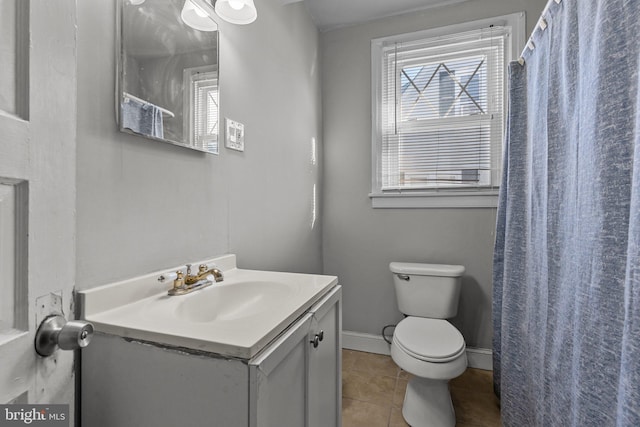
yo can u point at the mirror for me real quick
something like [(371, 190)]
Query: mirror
[(168, 73)]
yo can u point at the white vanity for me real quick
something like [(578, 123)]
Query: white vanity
[(259, 349)]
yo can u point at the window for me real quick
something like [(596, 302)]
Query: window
[(202, 102), (439, 108)]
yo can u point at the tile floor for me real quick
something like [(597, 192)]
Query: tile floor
[(373, 389)]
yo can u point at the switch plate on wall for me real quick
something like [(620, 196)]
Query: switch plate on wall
[(234, 135)]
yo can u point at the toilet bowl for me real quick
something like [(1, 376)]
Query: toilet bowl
[(425, 344)]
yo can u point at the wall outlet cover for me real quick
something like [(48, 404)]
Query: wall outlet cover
[(234, 135)]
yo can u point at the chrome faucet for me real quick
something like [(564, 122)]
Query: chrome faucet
[(183, 285)]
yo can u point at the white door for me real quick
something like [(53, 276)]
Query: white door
[(37, 193)]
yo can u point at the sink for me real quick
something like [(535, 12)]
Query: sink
[(233, 302), (236, 317)]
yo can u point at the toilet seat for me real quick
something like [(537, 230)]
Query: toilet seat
[(429, 340)]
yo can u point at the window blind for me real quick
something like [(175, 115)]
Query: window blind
[(205, 116), (442, 111)]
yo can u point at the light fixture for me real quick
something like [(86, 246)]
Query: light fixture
[(237, 11), (195, 16)]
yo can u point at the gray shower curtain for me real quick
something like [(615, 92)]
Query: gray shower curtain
[(567, 254)]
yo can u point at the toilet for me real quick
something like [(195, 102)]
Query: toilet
[(424, 343)]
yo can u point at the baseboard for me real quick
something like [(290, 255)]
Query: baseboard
[(365, 342), (480, 358)]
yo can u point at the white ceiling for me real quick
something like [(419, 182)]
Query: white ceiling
[(329, 14)]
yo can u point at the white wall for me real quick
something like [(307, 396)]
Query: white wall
[(358, 241), (144, 205)]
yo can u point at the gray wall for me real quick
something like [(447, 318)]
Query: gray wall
[(358, 241), (144, 205)]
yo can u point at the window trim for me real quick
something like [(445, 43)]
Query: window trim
[(441, 198)]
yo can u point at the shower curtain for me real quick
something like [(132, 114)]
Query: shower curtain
[(567, 255)]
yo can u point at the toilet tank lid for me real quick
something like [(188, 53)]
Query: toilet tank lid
[(427, 269)]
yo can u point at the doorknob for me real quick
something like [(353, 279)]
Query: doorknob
[(55, 332)]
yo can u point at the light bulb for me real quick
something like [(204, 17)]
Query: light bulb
[(236, 11), (236, 4)]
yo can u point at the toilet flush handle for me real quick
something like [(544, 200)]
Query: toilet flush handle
[(404, 277)]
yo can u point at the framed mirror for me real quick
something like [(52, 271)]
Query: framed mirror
[(168, 72)]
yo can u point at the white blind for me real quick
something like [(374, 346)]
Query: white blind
[(205, 117), (442, 111)]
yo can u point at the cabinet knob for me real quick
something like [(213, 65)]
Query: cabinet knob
[(317, 338), (315, 341)]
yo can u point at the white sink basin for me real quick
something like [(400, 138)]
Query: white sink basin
[(233, 302), (236, 317)]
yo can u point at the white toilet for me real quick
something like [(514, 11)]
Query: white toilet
[(424, 343)]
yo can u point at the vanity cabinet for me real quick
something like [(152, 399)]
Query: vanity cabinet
[(294, 381), (297, 380)]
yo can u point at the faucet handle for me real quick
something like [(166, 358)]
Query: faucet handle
[(202, 268), (179, 281)]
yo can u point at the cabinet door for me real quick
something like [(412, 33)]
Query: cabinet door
[(278, 380), (325, 373)]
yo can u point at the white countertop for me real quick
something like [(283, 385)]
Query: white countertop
[(236, 317)]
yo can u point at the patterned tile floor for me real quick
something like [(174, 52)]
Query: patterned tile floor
[(373, 389)]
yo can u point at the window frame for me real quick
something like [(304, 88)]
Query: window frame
[(441, 197)]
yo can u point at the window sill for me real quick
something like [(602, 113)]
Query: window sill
[(481, 199)]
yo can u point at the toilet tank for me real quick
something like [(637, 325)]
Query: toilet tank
[(427, 290)]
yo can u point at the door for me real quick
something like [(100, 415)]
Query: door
[(325, 362), (37, 193), (278, 379)]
